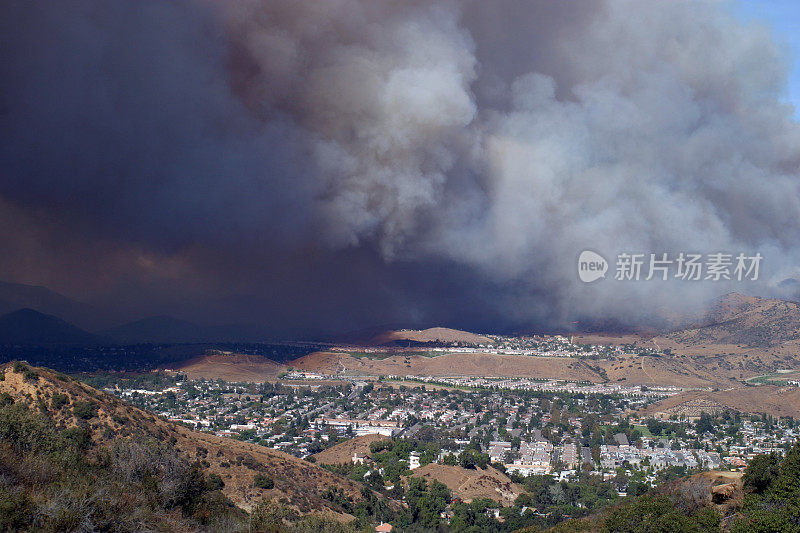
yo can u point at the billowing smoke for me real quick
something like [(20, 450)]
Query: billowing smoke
[(338, 164)]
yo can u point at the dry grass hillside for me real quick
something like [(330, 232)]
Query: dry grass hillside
[(342, 453), (469, 484), (745, 321), (231, 367), (775, 401), (440, 335), (628, 369), (472, 364), (70, 403), (740, 337)]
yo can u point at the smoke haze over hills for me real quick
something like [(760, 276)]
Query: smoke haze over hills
[(324, 166)]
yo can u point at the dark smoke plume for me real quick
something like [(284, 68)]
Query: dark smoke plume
[(336, 164)]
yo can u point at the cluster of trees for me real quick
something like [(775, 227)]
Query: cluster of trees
[(772, 502)]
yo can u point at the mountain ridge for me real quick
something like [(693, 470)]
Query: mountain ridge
[(28, 326)]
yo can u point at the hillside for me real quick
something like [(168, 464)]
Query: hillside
[(729, 306), (628, 369), (110, 422), (342, 453), (15, 296), (430, 335), (745, 321), (27, 326), (469, 484), (772, 400), (740, 337), (231, 367)]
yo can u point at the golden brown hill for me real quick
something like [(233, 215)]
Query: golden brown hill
[(775, 401), (741, 337), (342, 453), (461, 364), (231, 367), (745, 321), (296, 482), (469, 484), (730, 306), (628, 369), (441, 335)]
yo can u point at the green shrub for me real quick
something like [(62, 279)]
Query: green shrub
[(16, 510), (58, 401), (6, 399), (214, 482), (30, 376), (262, 481), (79, 437), (84, 410)]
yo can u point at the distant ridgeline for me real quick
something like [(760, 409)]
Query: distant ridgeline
[(87, 358)]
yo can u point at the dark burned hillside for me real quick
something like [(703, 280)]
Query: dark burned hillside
[(72, 457)]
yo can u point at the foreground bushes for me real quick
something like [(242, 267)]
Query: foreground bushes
[(54, 479), (50, 482)]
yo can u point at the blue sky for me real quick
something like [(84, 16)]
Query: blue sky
[(783, 16)]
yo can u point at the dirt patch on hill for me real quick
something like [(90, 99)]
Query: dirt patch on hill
[(469, 484), (342, 453)]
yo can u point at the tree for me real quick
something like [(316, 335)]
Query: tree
[(761, 471), (705, 424)]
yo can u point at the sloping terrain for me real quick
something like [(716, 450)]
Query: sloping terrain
[(231, 367), (728, 307), (775, 401), (739, 338), (469, 484), (438, 335), (629, 370), (461, 364), (342, 453), (26, 326), (746, 321), (109, 421), (15, 296)]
